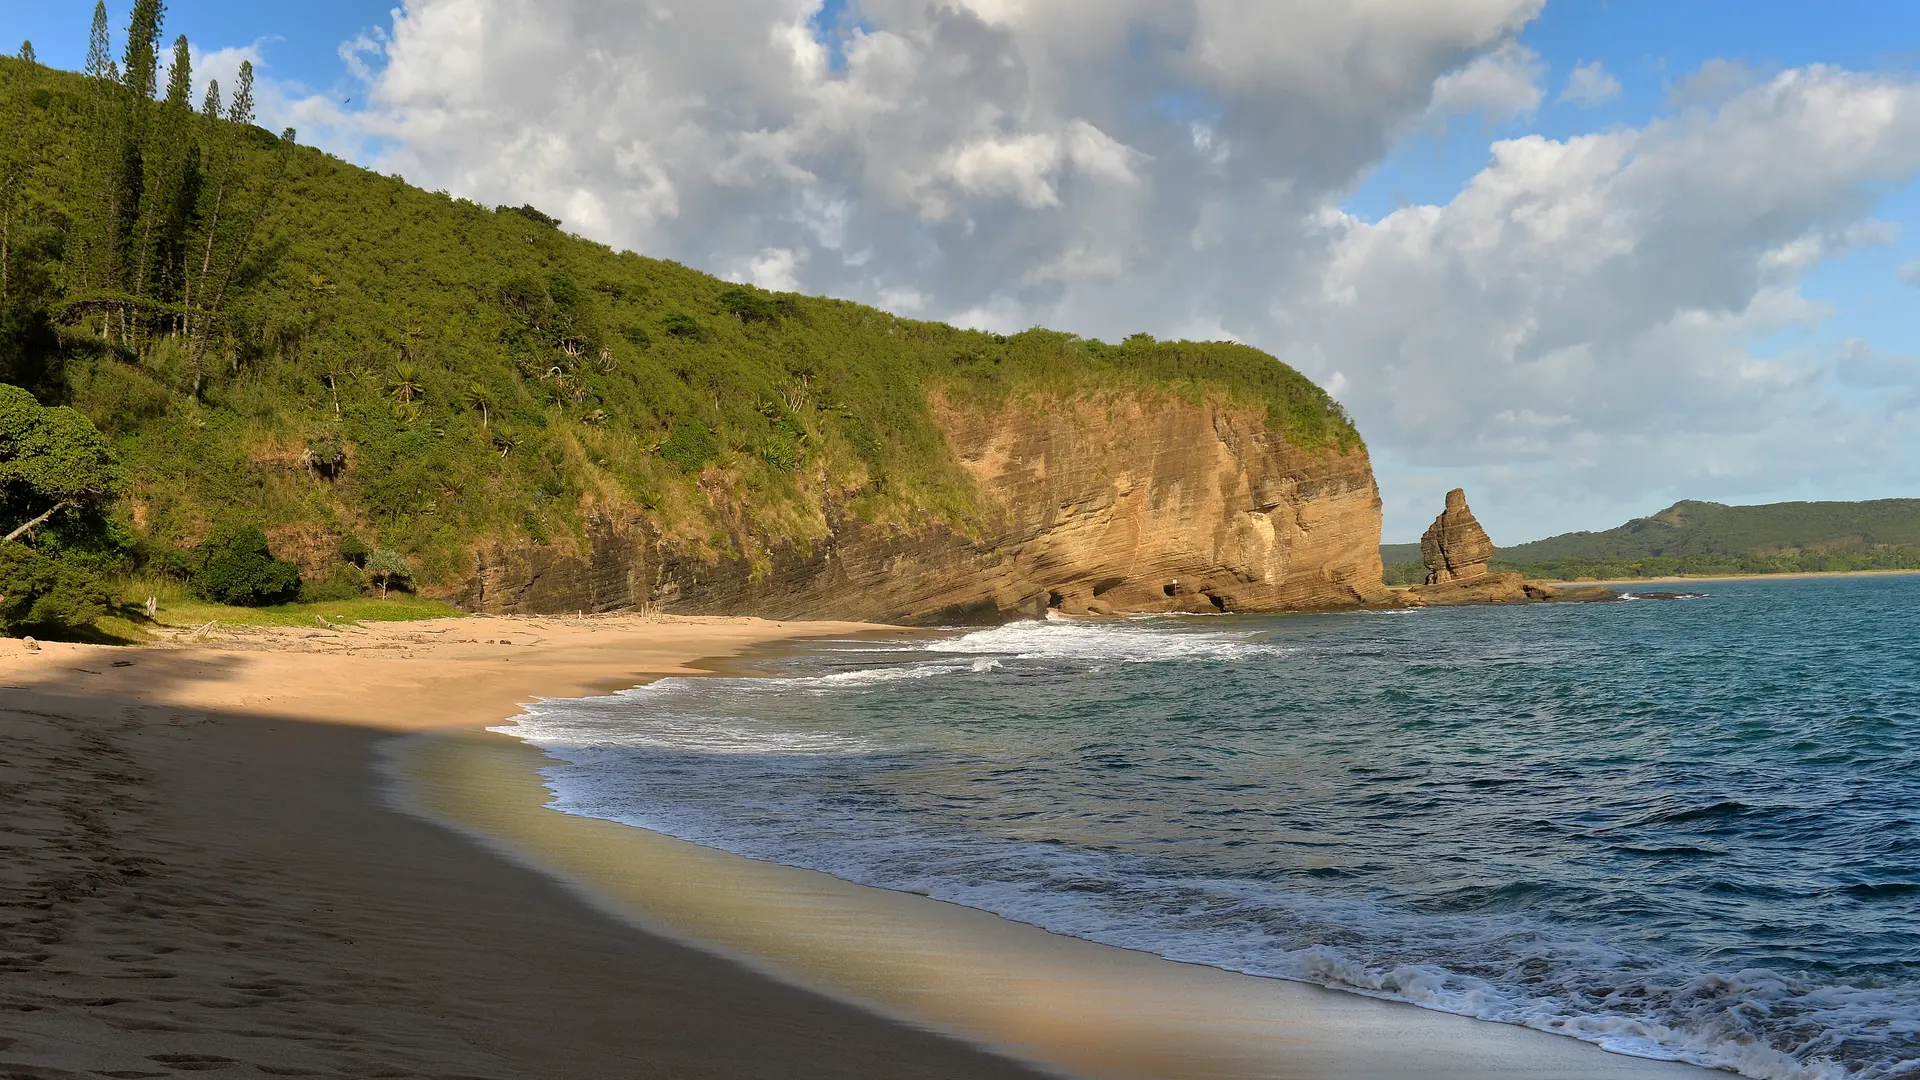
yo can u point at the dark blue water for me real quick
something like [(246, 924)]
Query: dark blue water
[(1685, 829)]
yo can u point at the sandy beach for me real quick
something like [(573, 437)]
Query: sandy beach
[(209, 869), (202, 875)]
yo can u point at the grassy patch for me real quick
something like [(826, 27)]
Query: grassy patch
[(189, 612)]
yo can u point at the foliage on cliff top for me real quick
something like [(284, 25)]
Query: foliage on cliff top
[(268, 335)]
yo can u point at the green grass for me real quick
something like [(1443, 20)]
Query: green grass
[(179, 608), (369, 609)]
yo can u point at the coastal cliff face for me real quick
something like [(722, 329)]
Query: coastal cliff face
[(1103, 505)]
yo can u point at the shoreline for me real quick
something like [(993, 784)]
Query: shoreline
[(205, 872), (895, 974)]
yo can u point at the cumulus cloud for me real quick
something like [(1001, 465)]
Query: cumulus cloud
[(1501, 86), (1589, 318), (1590, 85)]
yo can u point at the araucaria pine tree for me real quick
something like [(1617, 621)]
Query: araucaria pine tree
[(169, 217), (241, 111), (99, 50), (180, 76), (26, 52), (142, 64)]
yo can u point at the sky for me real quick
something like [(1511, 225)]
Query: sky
[(1583, 258)]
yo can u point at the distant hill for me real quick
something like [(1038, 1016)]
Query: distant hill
[(1692, 537), (1399, 553)]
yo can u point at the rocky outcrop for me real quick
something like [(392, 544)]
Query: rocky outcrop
[(1457, 550), (1455, 547), (1104, 505)]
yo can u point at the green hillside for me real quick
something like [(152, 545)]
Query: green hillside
[(1704, 538), (268, 336), (1712, 538)]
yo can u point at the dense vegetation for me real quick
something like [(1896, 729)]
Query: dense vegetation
[(1706, 538), (378, 378)]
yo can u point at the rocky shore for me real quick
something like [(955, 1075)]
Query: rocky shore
[(1457, 551)]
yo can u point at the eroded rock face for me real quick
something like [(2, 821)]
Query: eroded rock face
[(1455, 547), (1096, 506)]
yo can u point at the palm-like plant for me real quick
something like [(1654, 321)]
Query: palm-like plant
[(406, 383), (481, 398)]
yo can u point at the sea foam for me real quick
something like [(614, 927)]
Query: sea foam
[(1351, 803)]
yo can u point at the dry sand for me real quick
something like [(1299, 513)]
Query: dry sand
[(203, 873)]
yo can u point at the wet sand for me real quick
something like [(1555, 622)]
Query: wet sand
[(209, 869), (194, 886)]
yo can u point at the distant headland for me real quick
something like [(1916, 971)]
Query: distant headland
[(1693, 539)]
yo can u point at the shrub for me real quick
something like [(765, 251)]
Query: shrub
[(344, 581), (689, 446), (786, 446), (531, 213), (682, 325), (238, 569), (327, 454), (39, 591), (388, 568), (354, 550), (746, 305)]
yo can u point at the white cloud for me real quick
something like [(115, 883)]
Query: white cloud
[(1502, 85), (1626, 285), (772, 268), (1590, 85), (1589, 318)]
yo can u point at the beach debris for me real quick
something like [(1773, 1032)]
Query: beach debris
[(123, 663), (209, 625), (30, 643), (152, 607)]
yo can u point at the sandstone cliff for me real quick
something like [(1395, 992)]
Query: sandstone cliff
[(1101, 505)]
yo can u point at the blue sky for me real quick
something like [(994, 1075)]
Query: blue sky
[(1651, 47)]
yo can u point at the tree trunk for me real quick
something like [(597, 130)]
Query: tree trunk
[(41, 520)]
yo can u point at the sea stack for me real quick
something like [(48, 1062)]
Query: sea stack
[(1457, 550), (1455, 547)]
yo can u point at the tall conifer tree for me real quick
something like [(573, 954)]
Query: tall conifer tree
[(26, 52), (99, 50), (142, 65), (180, 76), (210, 106), (241, 111)]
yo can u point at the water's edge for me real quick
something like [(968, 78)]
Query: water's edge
[(1073, 1006)]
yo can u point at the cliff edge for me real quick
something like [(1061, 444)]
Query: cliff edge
[(1092, 504)]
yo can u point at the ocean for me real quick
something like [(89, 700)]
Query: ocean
[(1684, 829)]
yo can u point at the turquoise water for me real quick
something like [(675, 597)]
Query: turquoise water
[(1685, 829)]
